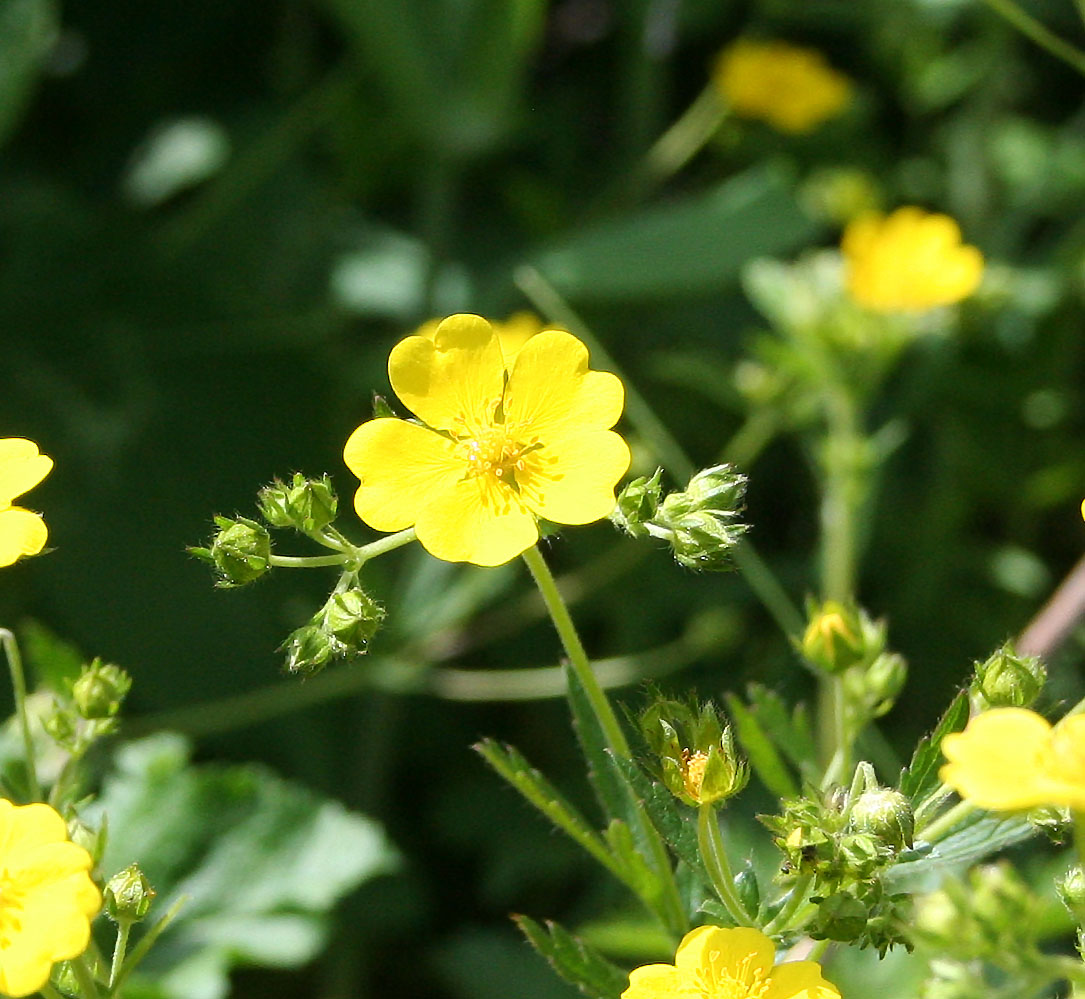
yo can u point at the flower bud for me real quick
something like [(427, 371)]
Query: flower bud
[(840, 636), (342, 627), (1009, 680), (703, 541), (886, 815), (304, 504), (62, 724), (241, 551), (127, 895), (100, 690), (1071, 891), (91, 840), (637, 504)]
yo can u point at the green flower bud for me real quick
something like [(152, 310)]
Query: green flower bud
[(127, 895), (882, 682), (886, 815), (304, 504), (718, 488), (839, 917), (700, 522), (62, 724), (637, 504), (1071, 891), (342, 627), (1008, 680), (309, 649), (703, 541), (91, 840), (100, 690), (241, 551), (839, 636)]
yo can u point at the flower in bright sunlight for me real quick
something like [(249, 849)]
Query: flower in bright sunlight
[(714, 963), (909, 261), (495, 452), (1011, 758), (794, 89), (21, 468), (47, 898), (512, 333)]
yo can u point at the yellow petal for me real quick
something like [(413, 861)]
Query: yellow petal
[(740, 953), (21, 533), (571, 479), (23, 972), (400, 465), (1063, 763), (21, 467), (476, 520), (551, 392), (654, 981), (996, 761), (454, 381), (25, 828), (799, 980)]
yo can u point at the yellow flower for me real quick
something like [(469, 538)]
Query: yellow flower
[(909, 261), (793, 89), (47, 899), (1011, 758), (714, 963), (512, 334), (497, 451), (21, 468)]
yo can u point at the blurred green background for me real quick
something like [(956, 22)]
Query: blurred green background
[(217, 218)]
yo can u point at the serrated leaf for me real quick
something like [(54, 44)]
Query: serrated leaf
[(921, 775), (510, 764), (644, 879), (790, 730), (574, 960), (260, 860), (764, 759)]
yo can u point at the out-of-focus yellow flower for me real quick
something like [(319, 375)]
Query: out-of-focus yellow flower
[(1011, 758), (715, 963), (908, 261), (47, 898), (794, 89), (512, 333), (21, 468), (495, 453)]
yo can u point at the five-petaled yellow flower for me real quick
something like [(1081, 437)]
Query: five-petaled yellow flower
[(21, 468), (908, 261), (794, 89), (47, 898), (497, 449), (512, 333), (715, 963), (1011, 758)]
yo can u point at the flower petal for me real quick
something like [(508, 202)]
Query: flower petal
[(653, 981), (551, 392), (799, 980), (21, 533), (400, 466), (476, 520), (996, 761), (23, 972), (739, 953), (454, 381), (21, 467), (571, 479)]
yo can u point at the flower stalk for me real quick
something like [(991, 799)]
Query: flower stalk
[(18, 685), (714, 855)]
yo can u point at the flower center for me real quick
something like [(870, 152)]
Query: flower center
[(693, 768), (740, 981), (496, 454)]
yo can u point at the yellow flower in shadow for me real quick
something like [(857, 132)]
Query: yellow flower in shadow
[(909, 261), (497, 450), (47, 898), (715, 963), (21, 468), (794, 89), (1011, 758)]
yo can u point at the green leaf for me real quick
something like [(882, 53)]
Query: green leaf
[(789, 730), (765, 761), (53, 662), (511, 765), (921, 775), (260, 861), (688, 246), (644, 879), (574, 960)]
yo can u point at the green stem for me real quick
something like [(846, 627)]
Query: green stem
[(88, 987), (1042, 36), (307, 561), (18, 686), (146, 942), (714, 855), (1079, 837), (124, 927), (574, 649), (386, 544), (948, 821), (781, 922)]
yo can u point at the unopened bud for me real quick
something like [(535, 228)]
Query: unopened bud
[(100, 690), (1071, 891), (342, 627), (241, 551), (637, 504), (304, 504), (127, 895), (886, 815), (1009, 680)]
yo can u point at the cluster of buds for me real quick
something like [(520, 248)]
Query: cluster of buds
[(696, 752), (91, 712), (699, 522), (1007, 680), (304, 504), (342, 627)]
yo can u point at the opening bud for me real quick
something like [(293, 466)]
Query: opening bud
[(839, 636), (127, 895), (100, 690), (304, 504), (1009, 680)]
